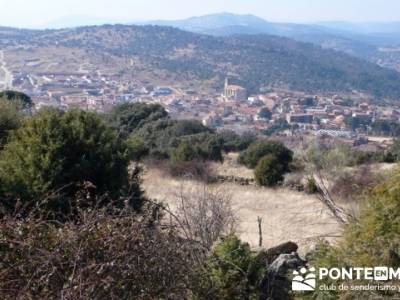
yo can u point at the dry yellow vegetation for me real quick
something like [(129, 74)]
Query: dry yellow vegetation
[(287, 215)]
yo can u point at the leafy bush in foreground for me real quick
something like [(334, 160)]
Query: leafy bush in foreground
[(234, 270), (54, 152)]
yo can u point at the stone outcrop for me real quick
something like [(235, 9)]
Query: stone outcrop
[(280, 260), (285, 248)]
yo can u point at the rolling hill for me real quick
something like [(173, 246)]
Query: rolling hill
[(221, 24), (362, 40), (255, 61)]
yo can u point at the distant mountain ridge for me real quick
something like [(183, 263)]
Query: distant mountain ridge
[(363, 40), (172, 55), (252, 23), (208, 23)]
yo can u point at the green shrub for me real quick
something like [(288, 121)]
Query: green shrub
[(212, 149), (137, 148), (184, 152), (371, 240), (386, 128), (259, 149), (269, 171), (164, 137), (130, 116), (278, 126), (15, 96), (10, 119), (395, 150), (234, 142), (374, 239), (55, 152), (234, 271), (311, 186)]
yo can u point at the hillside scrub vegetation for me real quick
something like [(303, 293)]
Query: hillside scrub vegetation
[(269, 159), (75, 222), (350, 172), (181, 148), (232, 142), (269, 171), (370, 240), (333, 156), (10, 119), (103, 254), (130, 116), (234, 270), (251, 156), (302, 66), (150, 132), (22, 99), (54, 153), (163, 136)]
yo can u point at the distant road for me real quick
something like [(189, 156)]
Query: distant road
[(8, 77)]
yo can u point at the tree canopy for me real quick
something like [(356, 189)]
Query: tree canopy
[(25, 100), (265, 113), (10, 119), (164, 136), (130, 116)]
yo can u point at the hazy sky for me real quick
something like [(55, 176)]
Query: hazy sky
[(36, 12)]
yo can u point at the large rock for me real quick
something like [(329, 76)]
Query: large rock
[(286, 248), (276, 284)]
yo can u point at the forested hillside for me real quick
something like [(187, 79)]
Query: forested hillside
[(363, 40), (255, 61)]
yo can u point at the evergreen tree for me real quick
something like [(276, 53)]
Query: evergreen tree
[(269, 171), (10, 119), (55, 153), (24, 99)]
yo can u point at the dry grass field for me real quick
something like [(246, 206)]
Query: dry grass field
[(230, 167), (287, 215)]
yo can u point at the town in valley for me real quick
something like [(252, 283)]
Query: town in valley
[(354, 118)]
